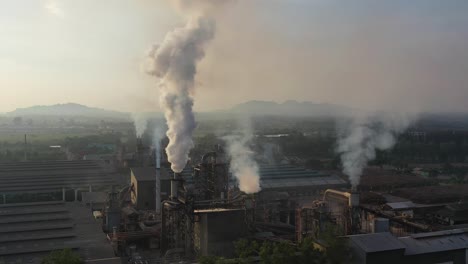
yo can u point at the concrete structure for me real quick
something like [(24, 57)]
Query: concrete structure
[(143, 182), (216, 229), (433, 247), (143, 187), (453, 214)]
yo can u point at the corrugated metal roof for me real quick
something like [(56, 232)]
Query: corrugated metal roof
[(53, 175), (435, 242), (401, 205), (287, 176), (94, 197), (300, 182), (415, 244), (377, 242)]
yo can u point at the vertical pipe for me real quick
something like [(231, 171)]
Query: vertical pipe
[(4, 198), (76, 195), (158, 178), (158, 190), (90, 188), (63, 194)]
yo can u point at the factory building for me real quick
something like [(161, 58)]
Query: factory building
[(143, 184), (297, 181), (36, 219), (453, 214), (30, 231), (286, 187), (41, 179), (212, 237), (433, 247)]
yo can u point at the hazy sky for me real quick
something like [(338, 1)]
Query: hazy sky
[(398, 54)]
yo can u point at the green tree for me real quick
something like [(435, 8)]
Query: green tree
[(245, 249), (217, 260), (308, 254), (277, 253), (337, 249), (66, 256)]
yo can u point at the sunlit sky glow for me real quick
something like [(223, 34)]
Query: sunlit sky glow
[(370, 54)]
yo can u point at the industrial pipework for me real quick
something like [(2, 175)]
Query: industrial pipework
[(158, 181), (353, 216), (353, 197)]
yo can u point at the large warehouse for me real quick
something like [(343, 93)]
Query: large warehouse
[(434, 247), (24, 178), (297, 181), (30, 229)]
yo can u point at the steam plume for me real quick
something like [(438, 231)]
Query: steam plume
[(157, 136), (140, 121), (359, 140), (243, 165), (174, 62)]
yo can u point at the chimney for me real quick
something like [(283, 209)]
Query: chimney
[(175, 185), (158, 182)]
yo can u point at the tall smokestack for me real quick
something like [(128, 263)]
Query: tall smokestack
[(175, 182), (157, 188)]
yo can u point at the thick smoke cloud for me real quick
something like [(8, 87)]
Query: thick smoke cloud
[(359, 140), (174, 63), (243, 164)]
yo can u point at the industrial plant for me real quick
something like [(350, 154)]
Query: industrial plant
[(138, 210), (201, 211), (233, 132)]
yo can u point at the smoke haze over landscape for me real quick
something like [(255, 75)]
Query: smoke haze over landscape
[(376, 55)]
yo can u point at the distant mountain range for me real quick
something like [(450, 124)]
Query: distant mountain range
[(69, 109), (288, 108), (258, 108)]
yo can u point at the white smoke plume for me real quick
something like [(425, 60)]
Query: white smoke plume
[(140, 122), (174, 63), (359, 141), (157, 136), (243, 165)]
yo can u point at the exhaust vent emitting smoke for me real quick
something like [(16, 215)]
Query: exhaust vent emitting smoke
[(157, 155), (174, 63), (359, 141), (140, 121), (243, 165)]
